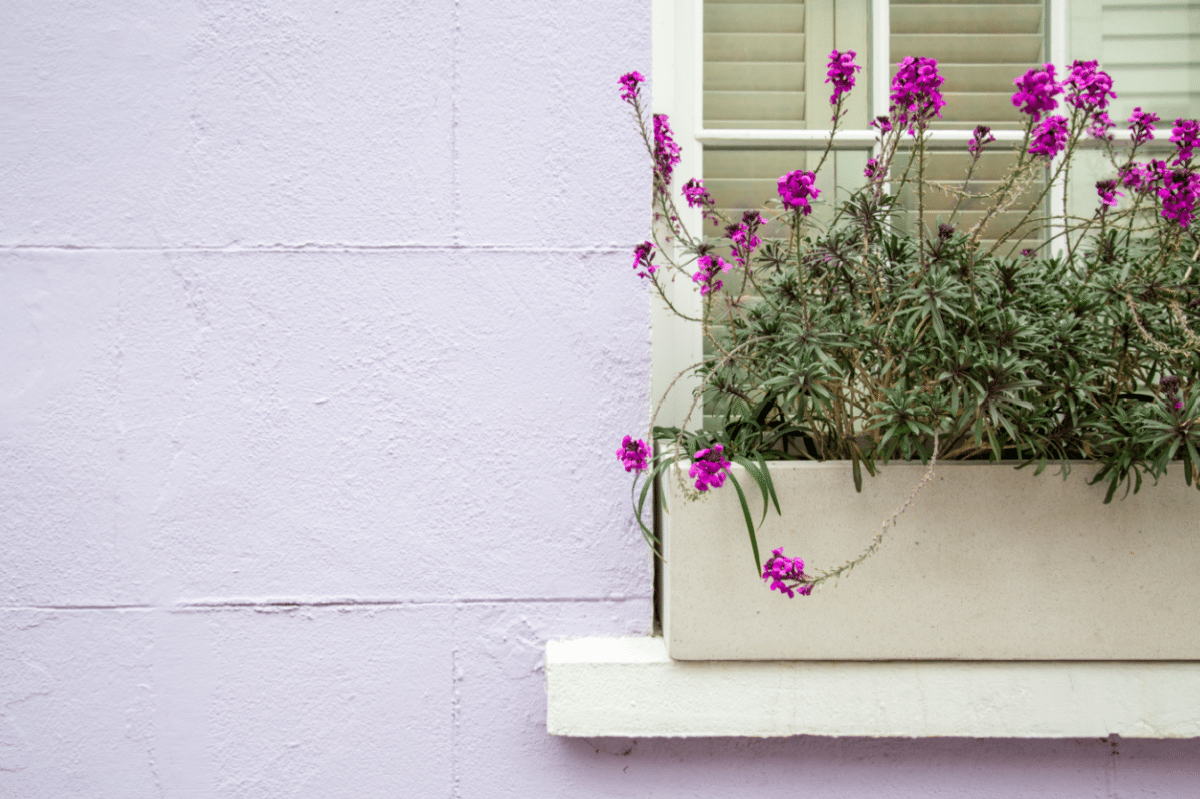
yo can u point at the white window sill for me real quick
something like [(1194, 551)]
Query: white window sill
[(628, 687)]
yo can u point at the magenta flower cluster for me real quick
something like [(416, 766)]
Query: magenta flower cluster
[(841, 74), (710, 267), (643, 255), (630, 82), (1050, 138), (1036, 90), (696, 195), (979, 139), (1141, 126), (916, 96), (744, 236), (1170, 385), (1186, 136), (666, 151), (1107, 190), (1088, 87), (710, 468), (780, 570), (1179, 193), (1178, 189), (874, 170), (1100, 126), (797, 188), (634, 454), (1143, 177)]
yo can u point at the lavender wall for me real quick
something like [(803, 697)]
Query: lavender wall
[(317, 334)]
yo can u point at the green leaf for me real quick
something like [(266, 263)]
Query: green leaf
[(749, 524), (770, 484)]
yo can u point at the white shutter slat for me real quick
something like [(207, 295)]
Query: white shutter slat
[(993, 78), (753, 18), (969, 48), (755, 105), (1149, 20), (754, 76), (1161, 50), (977, 19), (754, 47)]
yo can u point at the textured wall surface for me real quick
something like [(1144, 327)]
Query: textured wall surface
[(317, 335)]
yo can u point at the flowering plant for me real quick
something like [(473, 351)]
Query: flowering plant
[(848, 335)]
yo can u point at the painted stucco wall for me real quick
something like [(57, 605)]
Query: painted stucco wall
[(317, 336)]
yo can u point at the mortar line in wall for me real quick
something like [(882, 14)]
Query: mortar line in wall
[(316, 248), (455, 708), (455, 85), (327, 603)]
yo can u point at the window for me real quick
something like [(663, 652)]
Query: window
[(743, 84)]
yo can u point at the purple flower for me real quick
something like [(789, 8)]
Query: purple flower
[(1179, 192), (643, 254), (1107, 189), (1088, 87), (1185, 135), (883, 123), (780, 570), (1036, 90), (629, 86), (915, 95), (710, 468), (1051, 137), (696, 195), (1170, 385), (874, 170), (666, 151), (1143, 177), (796, 189), (744, 236), (710, 267), (1141, 126), (841, 74), (634, 454), (1100, 126), (983, 135)]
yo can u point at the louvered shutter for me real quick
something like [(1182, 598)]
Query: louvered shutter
[(754, 75), (980, 48), (1152, 52)]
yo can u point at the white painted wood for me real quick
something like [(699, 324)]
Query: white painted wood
[(989, 563), (675, 84), (629, 687)]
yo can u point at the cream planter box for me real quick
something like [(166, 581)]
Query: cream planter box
[(989, 563)]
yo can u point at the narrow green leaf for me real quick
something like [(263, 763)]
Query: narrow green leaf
[(770, 483), (749, 525), (752, 470)]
